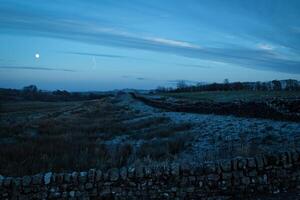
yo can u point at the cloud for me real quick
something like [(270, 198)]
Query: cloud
[(266, 47), (36, 68), (95, 54), (195, 66), (174, 43), (20, 21), (186, 81)]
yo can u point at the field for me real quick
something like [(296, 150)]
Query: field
[(120, 131), (230, 96)]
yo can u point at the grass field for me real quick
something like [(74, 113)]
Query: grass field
[(62, 136), (229, 96)]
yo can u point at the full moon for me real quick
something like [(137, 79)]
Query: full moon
[(37, 55)]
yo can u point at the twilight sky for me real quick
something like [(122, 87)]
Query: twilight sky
[(110, 44)]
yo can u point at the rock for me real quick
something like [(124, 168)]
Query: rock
[(251, 163), (92, 175), (226, 165), (139, 172), (131, 172), (246, 180), (17, 182), (210, 168), (37, 179), (1, 180), (148, 171), (7, 181), (88, 186), (185, 169), (26, 180), (82, 177), (241, 164), (114, 174), (226, 176), (72, 193), (252, 173), (59, 178), (123, 173), (175, 169), (67, 178), (98, 175), (47, 178), (199, 170), (260, 163), (74, 176)]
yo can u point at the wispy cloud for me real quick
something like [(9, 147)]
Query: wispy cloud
[(36, 68), (194, 66), (95, 54), (266, 47), (170, 42), (94, 32), (186, 81)]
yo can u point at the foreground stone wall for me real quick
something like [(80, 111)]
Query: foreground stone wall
[(239, 178)]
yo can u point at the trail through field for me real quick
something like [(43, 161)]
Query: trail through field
[(220, 137)]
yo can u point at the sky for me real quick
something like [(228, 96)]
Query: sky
[(81, 45)]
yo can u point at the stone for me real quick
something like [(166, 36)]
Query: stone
[(64, 195), (226, 176), (92, 175), (82, 177), (114, 174), (252, 173), (226, 165), (123, 173), (72, 193), (26, 180), (246, 180), (210, 168), (199, 170), (27, 190), (185, 169), (98, 175), (131, 172), (37, 179), (88, 186), (1, 180), (260, 163), (139, 172), (251, 163), (295, 157), (17, 182), (7, 181), (213, 177), (93, 192), (241, 164), (77, 194), (47, 178), (175, 169), (106, 176), (67, 178), (59, 178)]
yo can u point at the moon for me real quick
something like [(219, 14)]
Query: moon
[(37, 56)]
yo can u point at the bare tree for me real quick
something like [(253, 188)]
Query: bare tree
[(181, 84)]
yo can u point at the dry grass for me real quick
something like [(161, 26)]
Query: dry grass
[(37, 137)]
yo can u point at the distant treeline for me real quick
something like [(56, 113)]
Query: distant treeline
[(32, 93), (275, 85)]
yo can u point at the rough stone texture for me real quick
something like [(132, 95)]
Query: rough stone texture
[(238, 178)]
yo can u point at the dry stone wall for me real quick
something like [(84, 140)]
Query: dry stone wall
[(240, 177)]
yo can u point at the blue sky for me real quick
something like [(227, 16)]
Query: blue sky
[(110, 44)]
